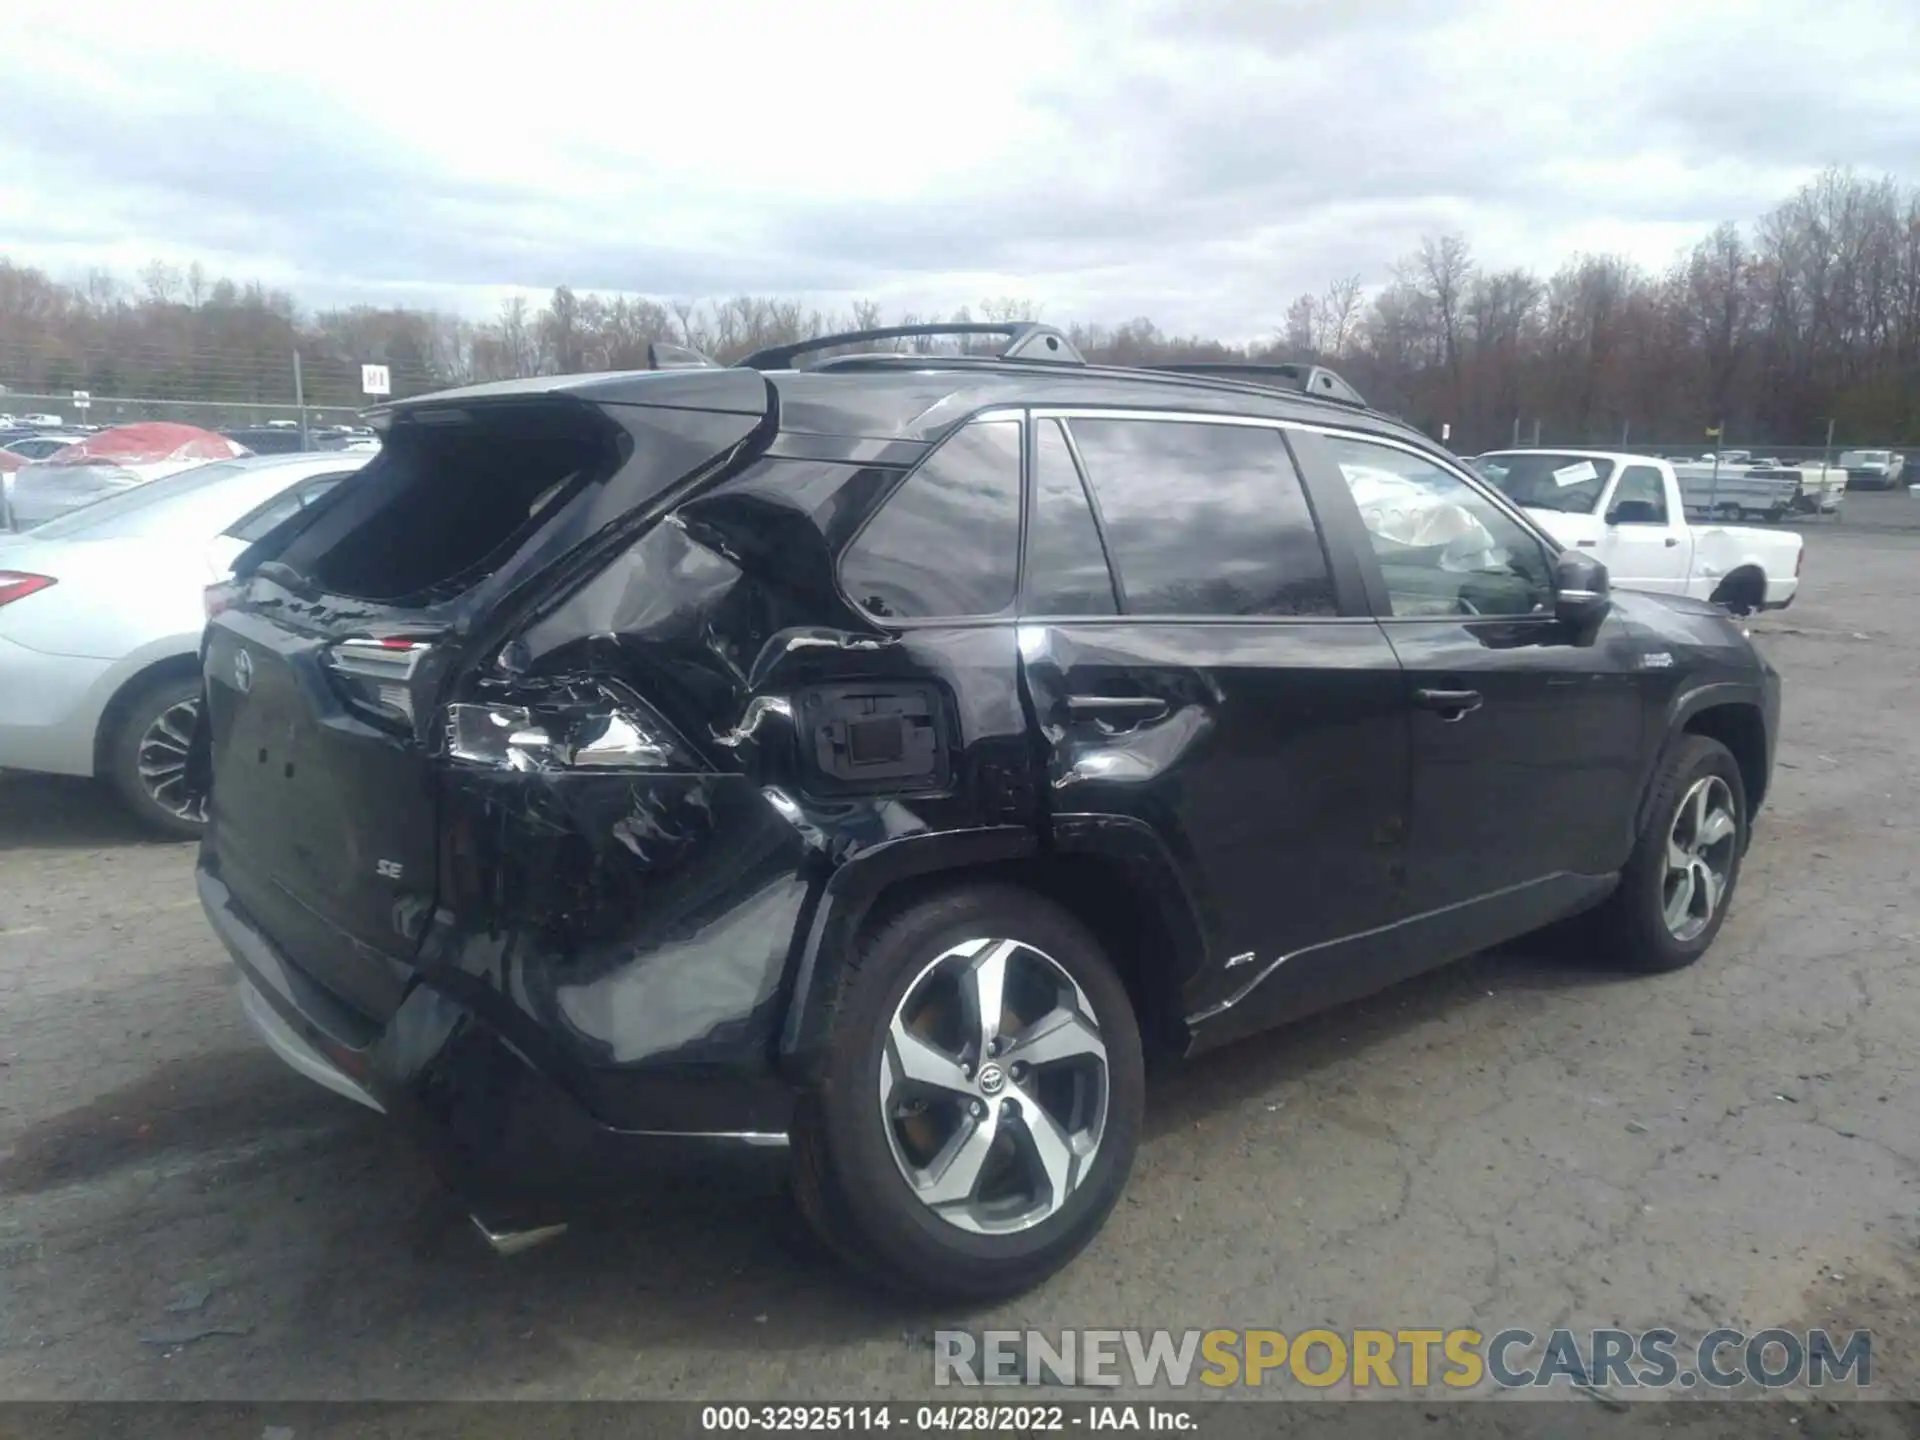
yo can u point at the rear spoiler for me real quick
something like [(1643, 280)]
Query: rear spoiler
[(681, 380)]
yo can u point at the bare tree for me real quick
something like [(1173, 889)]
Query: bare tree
[(1298, 333), (1335, 316), (162, 282), (1442, 270), (1812, 313)]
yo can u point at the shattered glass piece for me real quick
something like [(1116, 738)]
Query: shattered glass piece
[(617, 741)]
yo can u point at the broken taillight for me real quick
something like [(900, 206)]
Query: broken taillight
[(375, 676), (219, 596), (18, 584), (572, 727)]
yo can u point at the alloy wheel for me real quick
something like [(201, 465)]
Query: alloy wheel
[(993, 1086), (1700, 855), (162, 760)]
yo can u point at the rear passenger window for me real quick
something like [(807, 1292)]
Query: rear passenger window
[(1066, 566), (1204, 519), (947, 541)]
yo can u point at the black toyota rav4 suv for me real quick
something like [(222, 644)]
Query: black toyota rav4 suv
[(877, 760)]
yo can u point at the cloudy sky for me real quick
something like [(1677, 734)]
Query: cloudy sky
[(1199, 161)]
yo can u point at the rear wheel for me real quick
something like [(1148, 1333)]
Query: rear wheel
[(1679, 882), (147, 761), (981, 1101), (1741, 593)]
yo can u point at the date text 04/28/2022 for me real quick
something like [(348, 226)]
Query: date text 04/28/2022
[(938, 1419)]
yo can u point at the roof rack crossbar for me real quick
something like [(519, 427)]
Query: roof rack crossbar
[(1026, 340), (1307, 379)]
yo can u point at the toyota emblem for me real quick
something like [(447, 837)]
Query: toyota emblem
[(242, 671)]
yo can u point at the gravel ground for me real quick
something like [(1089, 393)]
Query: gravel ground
[(1512, 1141)]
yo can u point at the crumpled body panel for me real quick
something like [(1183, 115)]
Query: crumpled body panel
[(639, 932)]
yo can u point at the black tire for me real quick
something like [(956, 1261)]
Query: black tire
[(136, 717), (1630, 929), (846, 1179), (1742, 593)]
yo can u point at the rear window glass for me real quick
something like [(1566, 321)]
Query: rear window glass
[(947, 541), (1204, 519)]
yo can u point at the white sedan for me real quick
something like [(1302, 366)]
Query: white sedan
[(100, 618)]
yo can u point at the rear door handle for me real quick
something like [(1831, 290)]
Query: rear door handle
[(1586, 544), (1672, 540), (1451, 704)]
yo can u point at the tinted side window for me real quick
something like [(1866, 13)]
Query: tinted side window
[(1204, 519), (1444, 548), (1643, 494), (947, 541), (1066, 566)]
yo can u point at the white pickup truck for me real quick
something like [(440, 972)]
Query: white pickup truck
[(1627, 511)]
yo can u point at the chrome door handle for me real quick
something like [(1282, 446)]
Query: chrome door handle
[(1451, 704)]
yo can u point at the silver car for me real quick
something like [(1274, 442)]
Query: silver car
[(39, 445), (100, 618)]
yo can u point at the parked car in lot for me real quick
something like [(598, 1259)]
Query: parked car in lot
[(107, 463), (879, 759), (38, 445), (349, 440), (1873, 469), (100, 619), (1629, 512), (267, 439), (9, 465)]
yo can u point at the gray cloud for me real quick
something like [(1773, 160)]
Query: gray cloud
[(1199, 162)]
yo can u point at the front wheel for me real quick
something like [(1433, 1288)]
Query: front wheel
[(981, 1100), (1676, 888), (147, 761)]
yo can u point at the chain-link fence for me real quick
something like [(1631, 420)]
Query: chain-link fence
[(209, 414)]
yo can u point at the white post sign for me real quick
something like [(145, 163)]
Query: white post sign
[(82, 401), (374, 380)]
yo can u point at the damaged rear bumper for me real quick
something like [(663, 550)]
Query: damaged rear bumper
[(514, 1145)]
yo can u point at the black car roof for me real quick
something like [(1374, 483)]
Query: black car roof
[(918, 398)]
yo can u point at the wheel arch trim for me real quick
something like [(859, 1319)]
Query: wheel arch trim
[(1682, 709), (1126, 843), (850, 892)]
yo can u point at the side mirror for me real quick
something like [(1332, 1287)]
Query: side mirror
[(1582, 593)]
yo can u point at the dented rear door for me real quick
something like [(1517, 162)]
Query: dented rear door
[(1205, 684)]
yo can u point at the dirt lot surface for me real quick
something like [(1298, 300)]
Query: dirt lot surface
[(1514, 1141)]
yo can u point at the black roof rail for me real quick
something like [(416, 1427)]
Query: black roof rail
[(1026, 340), (1307, 379)]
